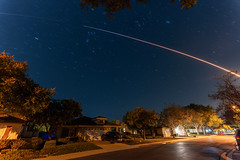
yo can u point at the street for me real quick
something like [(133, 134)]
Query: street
[(209, 147)]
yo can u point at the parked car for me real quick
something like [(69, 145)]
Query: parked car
[(237, 138), (112, 137), (221, 133)]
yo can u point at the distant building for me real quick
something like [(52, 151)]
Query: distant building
[(10, 127), (124, 128), (88, 128)]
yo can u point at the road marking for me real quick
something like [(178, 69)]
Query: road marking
[(224, 156)]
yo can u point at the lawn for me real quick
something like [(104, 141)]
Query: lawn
[(50, 148)]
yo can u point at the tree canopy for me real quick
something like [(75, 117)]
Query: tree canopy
[(228, 95), (113, 6), (204, 116), (59, 112), (18, 92), (141, 119), (172, 116), (193, 115)]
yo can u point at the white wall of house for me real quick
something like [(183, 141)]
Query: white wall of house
[(91, 135), (166, 132), (180, 130), (2, 130), (14, 132), (88, 133)]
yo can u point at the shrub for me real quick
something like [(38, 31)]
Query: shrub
[(33, 143), (3, 144), (200, 133), (128, 137), (37, 143), (63, 140), (150, 137), (136, 141), (16, 144)]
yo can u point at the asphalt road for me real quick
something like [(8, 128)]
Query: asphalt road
[(207, 148)]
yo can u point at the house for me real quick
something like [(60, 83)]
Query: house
[(88, 128), (10, 126), (159, 131), (124, 128)]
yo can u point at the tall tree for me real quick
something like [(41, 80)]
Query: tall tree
[(59, 112), (141, 119), (197, 120), (228, 95), (214, 121), (113, 6), (187, 117), (172, 117), (204, 116), (18, 92)]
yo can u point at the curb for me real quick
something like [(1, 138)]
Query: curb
[(227, 155)]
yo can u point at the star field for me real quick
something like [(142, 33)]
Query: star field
[(111, 75)]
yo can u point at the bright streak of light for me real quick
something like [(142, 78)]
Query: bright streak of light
[(173, 50)]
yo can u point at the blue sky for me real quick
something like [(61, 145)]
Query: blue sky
[(111, 75)]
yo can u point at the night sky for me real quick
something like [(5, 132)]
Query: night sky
[(111, 75)]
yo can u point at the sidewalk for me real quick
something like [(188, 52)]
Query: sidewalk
[(107, 147)]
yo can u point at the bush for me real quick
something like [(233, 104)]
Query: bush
[(128, 137), (16, 144), (33, 143), (3, 144), (200, 133), (133, 142), (150, 137), (66, 140)]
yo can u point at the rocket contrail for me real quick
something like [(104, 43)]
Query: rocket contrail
[(173, 50)]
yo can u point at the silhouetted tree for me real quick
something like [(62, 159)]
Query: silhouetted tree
[(59, 112), (18, 92), (228, 94), (172, 117), (113, 6), (141, 119)]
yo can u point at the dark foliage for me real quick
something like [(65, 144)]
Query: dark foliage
[(113, 6)]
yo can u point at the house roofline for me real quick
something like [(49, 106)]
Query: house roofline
[(91, 126)]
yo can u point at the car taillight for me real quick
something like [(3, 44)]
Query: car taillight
[(237, 137)]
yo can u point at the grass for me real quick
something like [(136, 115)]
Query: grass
[(50, 148), (101, 142), (21, 154)]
